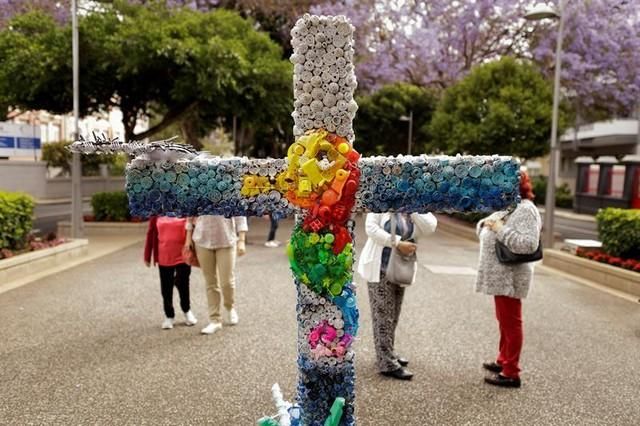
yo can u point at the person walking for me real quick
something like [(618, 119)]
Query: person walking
[(217, 242), (519, 231), (271, 239), (385, 296), (165, 239)]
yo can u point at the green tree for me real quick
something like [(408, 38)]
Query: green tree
[(179, 64), (502, 107), (378, 127)]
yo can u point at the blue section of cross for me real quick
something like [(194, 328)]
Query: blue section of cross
[(207, 185)]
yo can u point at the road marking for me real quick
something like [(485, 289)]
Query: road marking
[(450, 270)]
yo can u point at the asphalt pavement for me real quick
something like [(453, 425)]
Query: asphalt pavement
[(84, 347)]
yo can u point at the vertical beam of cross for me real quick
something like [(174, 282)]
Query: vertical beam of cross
[(323, 178)]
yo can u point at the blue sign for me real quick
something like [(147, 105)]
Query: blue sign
[(28, 143), (7, 142)]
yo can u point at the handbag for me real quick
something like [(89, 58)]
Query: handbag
[(401, 269), (190, 257), (508, 257)]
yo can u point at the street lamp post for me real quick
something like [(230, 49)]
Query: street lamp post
[(76, 167), (538, 13), (410, 120)]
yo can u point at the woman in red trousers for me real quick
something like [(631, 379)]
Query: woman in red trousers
[(165, 240), (519, 230)]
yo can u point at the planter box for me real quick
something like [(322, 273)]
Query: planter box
[(105, 228), (600, 273), (25, 264)]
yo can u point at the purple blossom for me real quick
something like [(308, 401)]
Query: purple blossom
[(429, 43), (600, 60), (60, 10), (436, 43)]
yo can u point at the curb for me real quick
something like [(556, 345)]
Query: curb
[(450, 226), (600, 274), (14, 268), (92, 229)]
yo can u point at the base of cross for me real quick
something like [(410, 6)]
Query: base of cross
[(291, 415)]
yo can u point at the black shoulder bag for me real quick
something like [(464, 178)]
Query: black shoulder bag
[(508, 257)]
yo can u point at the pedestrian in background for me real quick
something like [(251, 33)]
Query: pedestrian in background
[(165, 238), (385, 296), (271, 239), (217, 242), (519, 231)]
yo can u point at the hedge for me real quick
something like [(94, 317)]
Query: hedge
[(110, 206), (564, 198), (619, 231), (16, 212)]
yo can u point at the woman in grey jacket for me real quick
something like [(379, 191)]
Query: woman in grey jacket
[(519, 230)]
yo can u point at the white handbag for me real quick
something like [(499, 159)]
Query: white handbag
[(401, 269)]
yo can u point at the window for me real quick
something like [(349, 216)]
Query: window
[(591, 183), (616, 183), (44, 133)]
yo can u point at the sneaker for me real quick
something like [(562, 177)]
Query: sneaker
[(190, 319), (167, 324), (230, 317), (211, 328), (272, 244)]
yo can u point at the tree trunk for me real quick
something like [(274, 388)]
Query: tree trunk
[(245, 139), (129, 119), (189, 127)]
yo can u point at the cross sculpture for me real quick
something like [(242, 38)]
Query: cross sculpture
[(324, 179)]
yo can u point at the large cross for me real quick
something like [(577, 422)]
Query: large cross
[(325, 180)]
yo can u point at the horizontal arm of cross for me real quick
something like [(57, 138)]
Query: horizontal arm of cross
[(244, 187)]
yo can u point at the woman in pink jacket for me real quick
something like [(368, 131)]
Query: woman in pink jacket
[(165, 240)]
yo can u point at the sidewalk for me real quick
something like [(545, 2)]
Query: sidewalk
[(98, 247), (84, 346)]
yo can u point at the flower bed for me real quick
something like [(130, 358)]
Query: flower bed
[(599, 256), (33, 244)]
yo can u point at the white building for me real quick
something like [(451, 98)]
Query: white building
[(53, 127), (612, 138)]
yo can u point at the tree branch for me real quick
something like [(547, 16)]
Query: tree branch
[(168, 119)]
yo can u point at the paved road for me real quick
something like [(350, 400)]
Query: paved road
[(85, 347), (572, 228)]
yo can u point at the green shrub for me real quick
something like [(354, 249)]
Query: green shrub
[(539, 186), (564, 198), (619, 231), (57, 155), (16, 211), (111, 206), (119, 164)]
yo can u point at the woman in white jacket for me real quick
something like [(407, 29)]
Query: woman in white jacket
[(386, 297)]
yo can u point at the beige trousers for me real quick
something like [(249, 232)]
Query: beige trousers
[(218, 268)]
